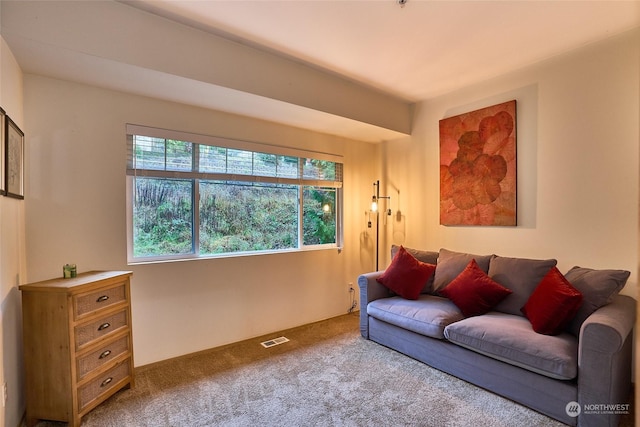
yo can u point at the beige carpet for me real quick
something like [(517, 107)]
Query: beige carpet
[(326, 375)]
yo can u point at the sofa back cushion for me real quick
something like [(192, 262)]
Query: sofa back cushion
[(430, 257), (598, 288), (520, 275), (451, 264)]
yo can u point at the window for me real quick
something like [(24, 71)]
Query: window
[(194, 196)]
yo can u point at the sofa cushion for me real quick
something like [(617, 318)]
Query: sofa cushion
[(430, 257), (521, 275), (598, 287), (450, 265), (428, 315), (511, 339), (552, 304), (473, 292), (406, 276)]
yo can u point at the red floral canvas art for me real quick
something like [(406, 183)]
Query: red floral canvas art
[(478, 167)]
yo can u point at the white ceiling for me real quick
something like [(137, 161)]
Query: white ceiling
[(423, 49), (419, 51)]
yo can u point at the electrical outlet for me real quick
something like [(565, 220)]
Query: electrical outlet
[(5, 394)]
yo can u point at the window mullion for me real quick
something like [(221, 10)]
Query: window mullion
[(196, 216), (300, 204), (300, 216), (195, 231), (166, 152)]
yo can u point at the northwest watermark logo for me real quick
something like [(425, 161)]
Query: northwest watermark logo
[(573, 409)]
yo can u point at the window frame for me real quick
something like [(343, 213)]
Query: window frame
[(196, 176)]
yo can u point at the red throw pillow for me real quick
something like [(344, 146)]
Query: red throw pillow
[(406, 276), (553, 304), (473, 292)]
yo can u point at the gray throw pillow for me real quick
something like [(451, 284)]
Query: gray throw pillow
[(429, 257), (451, 264), (598, 288), (522, 276)]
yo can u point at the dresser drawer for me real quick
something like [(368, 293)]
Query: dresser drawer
[(88, 303), (103, 384), (87, 363), (85, 334)]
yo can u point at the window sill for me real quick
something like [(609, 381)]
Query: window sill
[(162, 260)]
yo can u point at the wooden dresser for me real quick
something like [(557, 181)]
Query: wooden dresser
[(78, 346)]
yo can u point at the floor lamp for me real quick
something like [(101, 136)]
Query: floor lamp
[(374, 208)]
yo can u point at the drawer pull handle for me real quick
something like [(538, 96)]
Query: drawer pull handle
[(103, 298), (104, 326), (104, 354), (106, 382)]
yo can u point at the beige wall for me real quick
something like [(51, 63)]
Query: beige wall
[(12, 256), (76, 214), (577, 150)]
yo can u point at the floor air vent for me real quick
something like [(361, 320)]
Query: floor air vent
[(275, 341)]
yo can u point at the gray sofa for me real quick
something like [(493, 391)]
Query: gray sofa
[(588, 363)]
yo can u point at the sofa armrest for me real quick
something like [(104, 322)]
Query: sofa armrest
[(370, 290), (607, 328), (604, 359)]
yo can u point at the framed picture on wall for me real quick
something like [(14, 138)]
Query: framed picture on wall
[(478, 167), (14, 159), (2, 137)]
